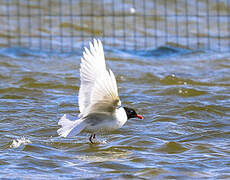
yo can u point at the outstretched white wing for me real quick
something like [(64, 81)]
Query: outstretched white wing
[(98, 91)]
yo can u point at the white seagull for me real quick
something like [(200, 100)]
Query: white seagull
[(99, 103)]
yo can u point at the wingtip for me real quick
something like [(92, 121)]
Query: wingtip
[(95, 42), (96, 39), (99, 41), (100, 44), (90, 44)]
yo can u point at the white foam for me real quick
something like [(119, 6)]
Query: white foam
[(18, 142)]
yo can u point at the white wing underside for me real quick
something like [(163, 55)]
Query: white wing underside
[(98, 91)]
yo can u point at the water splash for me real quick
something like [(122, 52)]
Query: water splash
[(18, 142)]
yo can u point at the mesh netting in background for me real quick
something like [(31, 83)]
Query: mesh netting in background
[(66, 25)]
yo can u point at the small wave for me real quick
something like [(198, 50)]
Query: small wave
[(172, 148), (18, 142), (17, 52), (23, 52), (170, 49)]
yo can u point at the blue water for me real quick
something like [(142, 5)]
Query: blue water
[(183, 95)]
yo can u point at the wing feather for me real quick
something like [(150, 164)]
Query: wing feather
[(104, 97), (98, 90)]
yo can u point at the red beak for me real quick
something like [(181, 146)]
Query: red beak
[(139, 116)]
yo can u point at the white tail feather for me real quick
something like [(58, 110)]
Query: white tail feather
[(70, 128)]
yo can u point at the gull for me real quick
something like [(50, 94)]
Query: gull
[(99, 104)]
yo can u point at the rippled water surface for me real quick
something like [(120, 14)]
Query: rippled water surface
[(183, 95)]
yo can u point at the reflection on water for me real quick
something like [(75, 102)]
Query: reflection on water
[(105, 156)]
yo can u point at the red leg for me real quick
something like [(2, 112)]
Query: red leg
[(90, 139)]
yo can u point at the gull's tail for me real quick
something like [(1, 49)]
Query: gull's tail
[(70, 128)]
